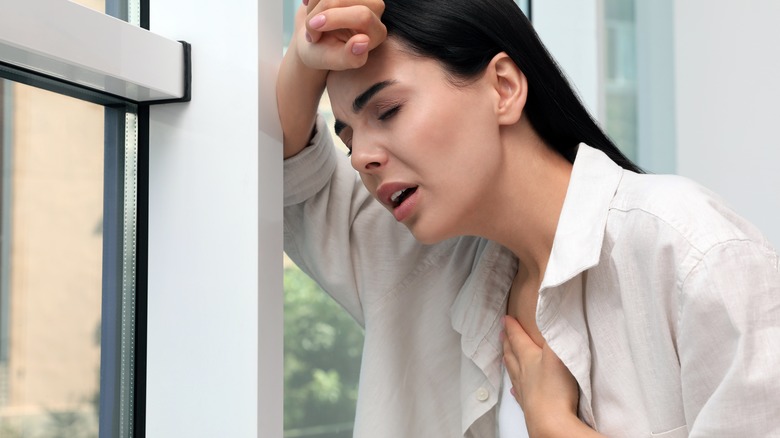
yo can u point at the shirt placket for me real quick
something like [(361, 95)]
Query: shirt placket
[(561, 320)]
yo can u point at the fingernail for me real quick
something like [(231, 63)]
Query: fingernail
[(308, 37), (306, 2), (512, 391), (317, 21), (359, 48)]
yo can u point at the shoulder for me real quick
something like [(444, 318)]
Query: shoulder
[(681, 206)]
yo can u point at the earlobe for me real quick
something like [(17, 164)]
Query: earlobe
[(511, 87)]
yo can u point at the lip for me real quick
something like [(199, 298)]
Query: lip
[(385, 192)]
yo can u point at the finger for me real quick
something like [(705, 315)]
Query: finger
[(519, 339), (511, 361), (316, 7), (310, 5), (300, 23), (356, 49), (512, 365), (359, 46), (353, 54), (356, 19)]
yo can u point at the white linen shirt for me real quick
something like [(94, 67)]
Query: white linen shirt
[(663, 303)]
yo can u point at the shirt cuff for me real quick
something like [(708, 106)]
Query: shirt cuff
[(310, 170)]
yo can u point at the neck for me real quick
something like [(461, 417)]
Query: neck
[(523, 211)]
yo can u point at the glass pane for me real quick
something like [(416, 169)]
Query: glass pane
[(621, 79), (127, 10), (525, 5), (50, 264), (98, 5), (322, 343), (322, 350)]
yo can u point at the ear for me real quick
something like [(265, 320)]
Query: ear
[(511, 87)]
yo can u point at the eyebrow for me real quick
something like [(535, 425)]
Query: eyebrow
[(365, 96), (361, 101)]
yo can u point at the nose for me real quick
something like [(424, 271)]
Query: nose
[(367, 156)]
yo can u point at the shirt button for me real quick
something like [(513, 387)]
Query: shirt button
[(482, 394)]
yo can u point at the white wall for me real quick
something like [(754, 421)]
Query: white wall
[(708, 90), (572, 32), (215, 235), (727, 74)]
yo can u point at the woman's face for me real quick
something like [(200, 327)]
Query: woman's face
[(425, 148)]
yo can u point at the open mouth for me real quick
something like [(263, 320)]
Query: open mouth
[(400, 196)]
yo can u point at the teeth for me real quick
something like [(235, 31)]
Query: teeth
[(396, 195)]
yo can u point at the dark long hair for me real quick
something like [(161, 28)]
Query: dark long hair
[(465, 35)]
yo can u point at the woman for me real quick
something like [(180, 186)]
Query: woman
[(635, 305)]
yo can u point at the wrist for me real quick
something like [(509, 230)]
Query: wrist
[(557, 426), (302, 75), (298, 92)]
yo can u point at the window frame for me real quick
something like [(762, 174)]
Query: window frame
[(73, 54), (126, 62)]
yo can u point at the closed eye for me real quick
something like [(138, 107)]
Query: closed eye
[(346, 138), (389, 113), (344, 132)]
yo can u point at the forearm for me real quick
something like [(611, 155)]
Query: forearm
[(298, 92), (339, 43)]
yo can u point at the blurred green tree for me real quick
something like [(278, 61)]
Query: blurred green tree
[(322, 349)]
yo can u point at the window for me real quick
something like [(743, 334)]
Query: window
[(71, 163), (620, 84), (52, 263)]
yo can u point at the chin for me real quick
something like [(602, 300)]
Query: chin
[(428, 236)]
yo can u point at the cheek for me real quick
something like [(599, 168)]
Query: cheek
[(468, 156), (441, 126), (459, 133)]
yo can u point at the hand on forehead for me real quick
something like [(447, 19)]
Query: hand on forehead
[(341, 33)]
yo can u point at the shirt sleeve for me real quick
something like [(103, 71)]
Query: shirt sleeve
[(729, 342), (338, 234)]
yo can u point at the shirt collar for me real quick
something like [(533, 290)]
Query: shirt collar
[(476, 315), (581, 226), (576, 247), (481, 301)]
